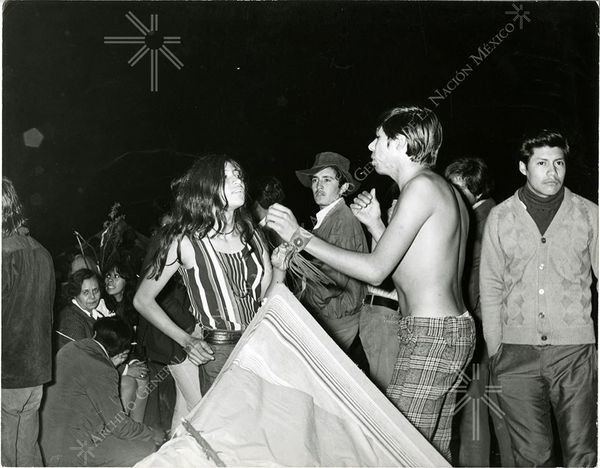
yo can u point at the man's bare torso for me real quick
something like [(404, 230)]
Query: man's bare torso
[(428, 277)]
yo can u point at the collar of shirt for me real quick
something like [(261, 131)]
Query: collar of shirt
[(103, 310), (95, 314), (322, 213), (103, 348), (479, 203)]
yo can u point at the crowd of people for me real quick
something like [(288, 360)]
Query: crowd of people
[(450, 291)]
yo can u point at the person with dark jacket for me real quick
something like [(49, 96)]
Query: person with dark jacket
[(471, 176), (84, 420), (76, 320), (28, 289)]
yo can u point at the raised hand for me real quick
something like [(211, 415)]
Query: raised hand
[(366, 208), (282, 221)]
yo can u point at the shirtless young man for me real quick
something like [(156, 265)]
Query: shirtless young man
[(424, 245)]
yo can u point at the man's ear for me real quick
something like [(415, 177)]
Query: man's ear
[(344, 188), (522, 168), (400, 143)]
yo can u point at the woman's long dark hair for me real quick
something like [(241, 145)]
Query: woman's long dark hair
[(199, 205), (124, 270)]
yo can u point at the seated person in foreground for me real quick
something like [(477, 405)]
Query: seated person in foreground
[(76, 322), (84, 422)]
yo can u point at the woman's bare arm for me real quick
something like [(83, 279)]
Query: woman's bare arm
[(144, 301)]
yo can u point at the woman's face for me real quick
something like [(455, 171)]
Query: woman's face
[(89, 296), (114, 284), (234, 187)]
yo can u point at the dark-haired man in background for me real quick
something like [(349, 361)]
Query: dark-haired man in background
[(539, 249), (28, 289), (471, 176)]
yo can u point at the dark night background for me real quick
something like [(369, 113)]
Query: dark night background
[(272, 84)]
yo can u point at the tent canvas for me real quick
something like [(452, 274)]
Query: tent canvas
[(288, 395)]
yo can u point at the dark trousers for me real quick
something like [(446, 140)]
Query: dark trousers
[(477, 410), (20, 426), (536, 380)]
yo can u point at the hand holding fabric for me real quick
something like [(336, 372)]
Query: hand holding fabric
[(280, 258)]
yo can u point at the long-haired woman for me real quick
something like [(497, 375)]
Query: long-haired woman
[(119, 285), (211, 241)]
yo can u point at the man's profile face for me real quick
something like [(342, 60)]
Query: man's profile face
[(381, 148), (325, 187), (545, 171)]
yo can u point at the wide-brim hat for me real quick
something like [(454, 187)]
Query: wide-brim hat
[(329, 159)]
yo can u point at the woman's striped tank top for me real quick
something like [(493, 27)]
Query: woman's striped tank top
[(225, 289)]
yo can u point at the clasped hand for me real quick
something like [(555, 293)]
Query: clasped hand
[(158, 435), (366, 208), (199, 351), (137, 369)]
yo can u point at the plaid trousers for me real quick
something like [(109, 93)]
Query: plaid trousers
[(433, 354)]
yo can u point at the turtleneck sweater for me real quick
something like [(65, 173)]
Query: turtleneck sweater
[(542, 210)]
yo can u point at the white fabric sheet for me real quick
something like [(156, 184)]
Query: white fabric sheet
[(289, 396)]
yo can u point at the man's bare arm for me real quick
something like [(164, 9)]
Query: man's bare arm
[(414, 207)]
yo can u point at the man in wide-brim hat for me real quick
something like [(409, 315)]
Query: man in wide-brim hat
[(333, 160), (335, 306)]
